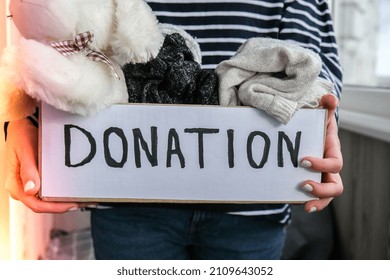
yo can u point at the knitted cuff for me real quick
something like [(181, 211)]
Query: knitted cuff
[(282, 109)]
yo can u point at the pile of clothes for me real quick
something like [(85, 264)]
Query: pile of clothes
[(272, 75)]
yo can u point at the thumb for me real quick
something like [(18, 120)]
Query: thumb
[(29, 173)]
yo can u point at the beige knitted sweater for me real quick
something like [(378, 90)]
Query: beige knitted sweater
[(272, 75)]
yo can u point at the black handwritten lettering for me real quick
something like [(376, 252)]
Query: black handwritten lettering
[(257, 157), (174, 137), (249, 148), (293, 150), (68, 143), (201, 132), (107, 153), (230, 134), (139, 140)]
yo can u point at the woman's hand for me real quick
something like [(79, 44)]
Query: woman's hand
[(330, 166), (22, 178)]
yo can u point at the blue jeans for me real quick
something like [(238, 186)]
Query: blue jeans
[(143, 232)]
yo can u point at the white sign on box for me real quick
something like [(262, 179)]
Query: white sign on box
[(167, 153)]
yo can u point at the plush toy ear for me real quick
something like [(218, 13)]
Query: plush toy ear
[(138, 37), (44, 20)]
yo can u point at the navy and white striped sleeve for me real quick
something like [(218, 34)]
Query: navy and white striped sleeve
[(309, 24), (33, 119)]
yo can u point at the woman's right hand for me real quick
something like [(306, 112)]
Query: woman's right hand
[(22, 177)]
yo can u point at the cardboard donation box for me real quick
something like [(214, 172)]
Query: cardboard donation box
[(165, 153)]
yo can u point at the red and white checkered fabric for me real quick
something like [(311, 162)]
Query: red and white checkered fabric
[(81, 44)]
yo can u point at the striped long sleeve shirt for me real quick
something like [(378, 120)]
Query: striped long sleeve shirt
[(221, 26)]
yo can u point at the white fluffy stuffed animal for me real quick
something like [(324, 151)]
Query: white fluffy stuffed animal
[(71, 51)]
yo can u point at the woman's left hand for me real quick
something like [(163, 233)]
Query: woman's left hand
[(330, 166)]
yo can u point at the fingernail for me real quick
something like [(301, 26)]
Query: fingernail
[(73, 209), (306, 163), (313, 209), (29, 186), (91, 206), (308, 188)]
